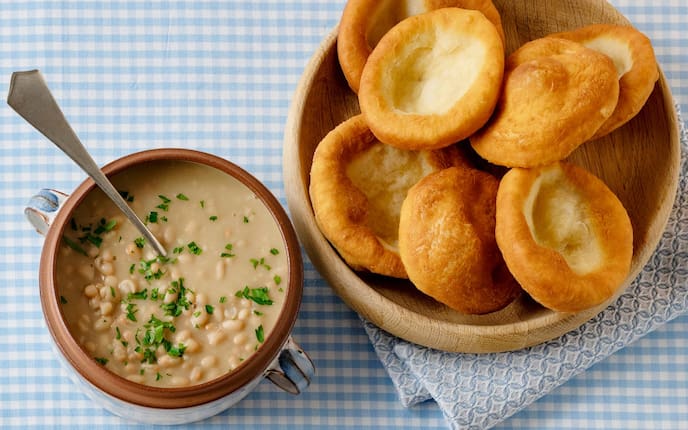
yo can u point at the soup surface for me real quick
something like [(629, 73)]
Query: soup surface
[(191, 316)]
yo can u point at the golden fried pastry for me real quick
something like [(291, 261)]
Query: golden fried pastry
[(564, 235), (357, 187), (635, 62), (433, 79), (556, 95), (364, 22), (447, 241)]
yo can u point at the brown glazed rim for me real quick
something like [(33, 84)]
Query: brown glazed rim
[(157, 397)]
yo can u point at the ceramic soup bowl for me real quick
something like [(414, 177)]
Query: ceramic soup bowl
[(178, 338)]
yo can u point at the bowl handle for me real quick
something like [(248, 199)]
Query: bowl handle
[(293, 369), (43, 207)]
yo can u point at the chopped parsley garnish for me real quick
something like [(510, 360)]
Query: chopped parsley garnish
[(228, 254), (259, 262), (223, 299), (146, 268), (178, 250), (258, 295), (63, 300), (126, 196), (181, 196), (213, 218), (177, 351), (132, 268), (195, 249), (175, 308), (101, 360), (152, 217), (277, 279), (209, 309), (139, 242), (104, 226), (274, 251), (96, 240), (75, 246), (131, 312), (141, 295), (153, 337), (260, 334), (202, 203), (246, 220)]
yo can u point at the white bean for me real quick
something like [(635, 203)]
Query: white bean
[(199, 318), (230, 313), (111, 281), (243, 314), (102, 324), (106, 255), (196, 374), (191, 227), (240, 338), (167, 361), (245, 303), (169, 235), (182, 336), (201, 300), (94, 303), (220, 270), (191, 346), (216, 337), (126, 287), (233, 361), (106, 308), (133, 251), (209, 361), (174, 273), (90, 291), (170, 297), (105, 293), (233, 325), (118, 352), (179, 381)]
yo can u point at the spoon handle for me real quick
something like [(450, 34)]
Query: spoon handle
[(31, 98)]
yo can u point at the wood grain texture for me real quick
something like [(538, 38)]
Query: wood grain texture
[(639, 162)]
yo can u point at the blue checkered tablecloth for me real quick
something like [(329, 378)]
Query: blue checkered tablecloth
[(218, 76)]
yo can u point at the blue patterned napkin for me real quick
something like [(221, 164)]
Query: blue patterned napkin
[(477, 391)]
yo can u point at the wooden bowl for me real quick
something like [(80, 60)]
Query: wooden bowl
[(639, 162)]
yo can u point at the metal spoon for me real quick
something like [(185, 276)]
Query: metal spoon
[(30, 97)]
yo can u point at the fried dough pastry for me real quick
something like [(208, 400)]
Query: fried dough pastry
[(357, 187), (433, 79), (447, 241), (364, 22), (556, 95), (635, 62), (564, 235)]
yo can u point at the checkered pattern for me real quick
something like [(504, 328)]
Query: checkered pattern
[(218, 76)]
